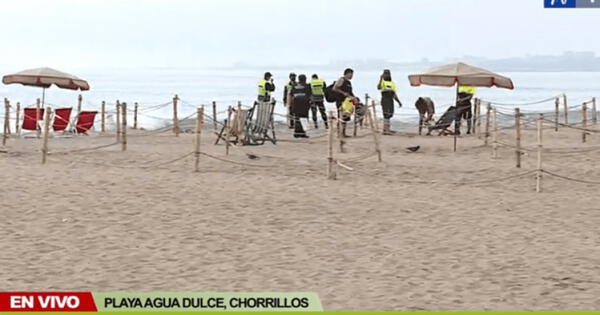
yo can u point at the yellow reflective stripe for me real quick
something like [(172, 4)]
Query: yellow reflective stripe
[(387, 86), (317, 86), (467, 89), (262, 87)]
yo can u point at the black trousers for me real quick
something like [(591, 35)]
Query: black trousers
[(466, 114), (387, 107), (314, 105), (298, 130)]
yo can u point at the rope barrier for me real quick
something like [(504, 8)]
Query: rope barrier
[(570, 178), (359, 158), (456, 183), (167, 162), (572, 126), (232, 162), (524, 104), (551, 150), (84, 149)]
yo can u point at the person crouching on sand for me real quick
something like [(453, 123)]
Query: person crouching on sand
[(299, 96)]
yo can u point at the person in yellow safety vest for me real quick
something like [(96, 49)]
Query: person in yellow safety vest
[(265, 87), (388, 96), (317, 99), (466, 112)]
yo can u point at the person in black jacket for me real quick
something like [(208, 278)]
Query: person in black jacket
[(286, 103), (299, 97)]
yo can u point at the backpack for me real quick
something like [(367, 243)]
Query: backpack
[(331, 96)]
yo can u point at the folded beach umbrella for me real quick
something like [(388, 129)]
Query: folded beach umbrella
[(460, 74)]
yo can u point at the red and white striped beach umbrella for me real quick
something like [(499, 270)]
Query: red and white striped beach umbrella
[(460, 74), (46, 77)]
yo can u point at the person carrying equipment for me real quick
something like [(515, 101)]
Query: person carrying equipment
[(343, 90), (388, 96), (343, 87), (317, 87), (299, 97), (346, 110), (265, 87)]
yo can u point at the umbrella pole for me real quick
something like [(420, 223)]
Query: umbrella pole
[(456, 110), (37, 112)]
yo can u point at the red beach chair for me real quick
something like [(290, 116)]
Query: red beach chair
[(30, 121), (62, 118), (85, 121)]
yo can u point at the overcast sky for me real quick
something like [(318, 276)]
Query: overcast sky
[(72, 34)]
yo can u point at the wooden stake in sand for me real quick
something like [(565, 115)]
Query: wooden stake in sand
[(341, 129), (18, 120), (566, 107), (124, 126), (199, 119), (367, 105), (118, 120), (228, 129), (214, 119), (355, 123), (79, 100), (487, 124), (330, 166), (375, 122), (476, 116), (375, 134), (38, 107), (103, 117), (7, 117), (175, 119), (556, 113), (46, 133), (538, 176), (494, 134), (584, 122), (518, 134), (594, 111), (5, 132), (135, 112), (338, 122)]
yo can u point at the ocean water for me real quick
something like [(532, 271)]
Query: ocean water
[(152, 86)]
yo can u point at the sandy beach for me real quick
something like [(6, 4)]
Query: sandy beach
[(431, 230)]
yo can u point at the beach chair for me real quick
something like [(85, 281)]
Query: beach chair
[(445, 122), (85, 121), (62, 117), (30, 121), (238, 127), (259, 124)]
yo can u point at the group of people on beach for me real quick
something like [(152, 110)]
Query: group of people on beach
[(301, 96)]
